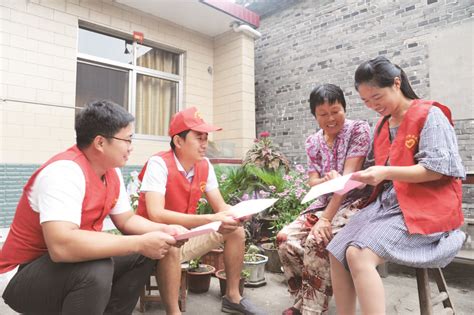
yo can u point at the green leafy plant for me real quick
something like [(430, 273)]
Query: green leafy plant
[(245, 274), (194, 263), (289, 191), (227, 178), (265, 155), (250, 182), (265, 173), (252, 231), (133, 189), (247, 180), (196, 266), (289, 206), (251, 253)]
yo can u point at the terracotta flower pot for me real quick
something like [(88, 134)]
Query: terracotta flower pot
[(199, 279), (220, 274), (214, 258)]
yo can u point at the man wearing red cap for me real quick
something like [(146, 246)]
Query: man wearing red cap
[(172, 183), (66, 265)]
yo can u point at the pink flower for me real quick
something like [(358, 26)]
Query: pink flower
[(264, 134), (245, 197), (299, 192), (300, 168), (272, 188), (264, 194)]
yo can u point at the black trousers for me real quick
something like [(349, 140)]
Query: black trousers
[(105, 286)]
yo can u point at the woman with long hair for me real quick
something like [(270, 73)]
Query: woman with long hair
[(414, 215)]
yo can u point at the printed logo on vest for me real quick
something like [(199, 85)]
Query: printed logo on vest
[(411, 141), (202, 186), (114, 203)]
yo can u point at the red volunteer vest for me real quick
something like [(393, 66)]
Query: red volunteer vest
[(427, 207), (25, 242), (181, 195)]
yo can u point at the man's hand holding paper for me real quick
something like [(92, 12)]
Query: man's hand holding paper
[(176, 230), (247, 208), (203, 229), (229, 223)]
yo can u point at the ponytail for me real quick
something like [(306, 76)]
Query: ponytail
[(405, 86), (380, 72)]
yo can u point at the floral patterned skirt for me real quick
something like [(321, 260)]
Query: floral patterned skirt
[(306, 262)]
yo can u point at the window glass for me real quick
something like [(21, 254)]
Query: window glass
[(157, 59), (94, 82), (155, 104), (105, 71), (105, 46)]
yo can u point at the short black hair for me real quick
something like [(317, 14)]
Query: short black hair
[(102, 117), (323, 93), (182, 134)]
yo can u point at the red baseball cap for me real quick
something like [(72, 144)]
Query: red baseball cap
[(189, 119)]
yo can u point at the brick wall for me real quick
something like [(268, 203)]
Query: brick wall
[(306, 43), (468, 201), (465, 136)]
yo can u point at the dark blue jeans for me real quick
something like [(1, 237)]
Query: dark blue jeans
[(105, 286)]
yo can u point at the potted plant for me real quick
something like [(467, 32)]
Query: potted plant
[(264, 154), (271, 251), (199, 276), (289, 206), (220, 274), (254, 263), (215, 258)]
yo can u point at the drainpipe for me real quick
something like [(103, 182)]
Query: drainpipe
[(244, 28)]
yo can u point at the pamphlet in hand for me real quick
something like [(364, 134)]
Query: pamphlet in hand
[(339, 185), (249, 207), (200, 230)]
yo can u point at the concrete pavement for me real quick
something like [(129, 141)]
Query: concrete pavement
[(400, 291)]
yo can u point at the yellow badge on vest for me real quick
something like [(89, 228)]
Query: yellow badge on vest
[(411, 141), (202, 186)]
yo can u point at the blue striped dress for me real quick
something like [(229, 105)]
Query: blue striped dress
[(380, 226)]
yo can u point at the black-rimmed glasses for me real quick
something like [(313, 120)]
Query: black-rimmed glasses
[(129, 141), (126, 140)]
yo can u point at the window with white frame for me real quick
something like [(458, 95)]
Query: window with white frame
[(146, 80)]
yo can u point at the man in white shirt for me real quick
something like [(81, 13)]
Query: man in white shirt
[(66, 263), (171, 184)]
